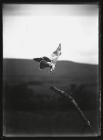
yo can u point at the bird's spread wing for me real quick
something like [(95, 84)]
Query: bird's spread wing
[(55, 55), (46, 59), (44, 64), (42, 58), (38, 59)]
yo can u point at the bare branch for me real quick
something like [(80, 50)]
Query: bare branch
[(72, 100)]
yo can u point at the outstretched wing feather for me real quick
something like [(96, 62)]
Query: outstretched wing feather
[(37, 59), (55, 55), (46, 59)]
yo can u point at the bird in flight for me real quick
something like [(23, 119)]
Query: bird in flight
[(46, 62)]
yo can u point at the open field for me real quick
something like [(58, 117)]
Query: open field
[(31, 108)]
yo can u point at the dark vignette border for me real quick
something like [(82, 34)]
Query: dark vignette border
[(99, 2)]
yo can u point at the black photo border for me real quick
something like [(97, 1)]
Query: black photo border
[(99, 2)]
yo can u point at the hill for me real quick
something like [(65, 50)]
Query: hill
[(24, 78), (31, 108), (14, 69)]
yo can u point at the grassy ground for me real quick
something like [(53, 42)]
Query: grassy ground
[(48, 123), (32, 109)]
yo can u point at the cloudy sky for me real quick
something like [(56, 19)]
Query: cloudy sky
[(34, 30)]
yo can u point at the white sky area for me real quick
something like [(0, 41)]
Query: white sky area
[(35, 30)]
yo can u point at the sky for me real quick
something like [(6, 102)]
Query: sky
[(35, 30)]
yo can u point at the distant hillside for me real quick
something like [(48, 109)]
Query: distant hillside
[(14, 68), (25, 83)]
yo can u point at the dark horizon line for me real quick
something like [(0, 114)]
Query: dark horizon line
[(57, 61)]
